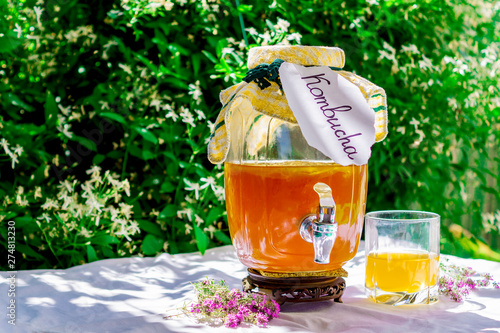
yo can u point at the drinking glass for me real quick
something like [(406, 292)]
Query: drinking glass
[(402, 257)]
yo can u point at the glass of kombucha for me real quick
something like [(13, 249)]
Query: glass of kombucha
[(402, 257)]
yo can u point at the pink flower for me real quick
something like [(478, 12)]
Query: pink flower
[(195, 308), (232, 320), (261, 319)]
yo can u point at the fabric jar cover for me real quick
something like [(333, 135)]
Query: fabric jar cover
[(272, 101)]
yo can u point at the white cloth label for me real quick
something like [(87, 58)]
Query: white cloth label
[(332, 113)]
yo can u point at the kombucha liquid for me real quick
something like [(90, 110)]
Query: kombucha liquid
[(408, 272), (267, 202)]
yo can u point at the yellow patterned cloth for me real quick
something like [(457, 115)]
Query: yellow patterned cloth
[(271, 100)]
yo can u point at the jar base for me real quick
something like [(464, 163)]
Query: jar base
[(295, 289)]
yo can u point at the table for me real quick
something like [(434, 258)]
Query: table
[(133, 295)]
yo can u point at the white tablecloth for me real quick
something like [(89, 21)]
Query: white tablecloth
[(133, 295)]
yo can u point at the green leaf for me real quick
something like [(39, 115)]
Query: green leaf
[(174, 48), (169, 211), (29, 252), (98, 159), (151, 228), (244, 8), (114, 116), (91, 254), (222, 237), (213, 215), (104, 240), (9, 42), (196, 61), (107, 252), (172, 168), (151, 245), (87, 143), (147, 155), (146, 62), (135, 151), (167, 187), (146, 134), (15, 100), (22, 221), (201, 239), (51, 110), (210, 56)]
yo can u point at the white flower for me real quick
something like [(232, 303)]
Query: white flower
[(21, 201), (426, 63), (200, 114), (65, 130), (193, 187), (125, 186), (282, 25), (187, 117), (18, 150), (209, 181), (198, 220), (187, 212), (38, 13), (448, 60), (67, 200), (5, 146), (188, 228), (211, 229), (126, 210), (134, 228), (355, 23), (104, 105), (14, 161), (45, 217), (19, 31), (252, 31), (87, 189), (94, 170), (93, 204), (219, 193), (415, 123), (173, 115), (156, 103), (126, 68), (50, 203), (67, 185), (461, 68), (85, 233), (266, 38), (391, 55), (195, 91), (211, 126), (38, 192), (372, 2), (295, 36), (412, 49), (168, 5), (112, 179), (226, 50), (65, 110)]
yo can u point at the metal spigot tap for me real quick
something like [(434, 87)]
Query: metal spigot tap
[(321, 230)]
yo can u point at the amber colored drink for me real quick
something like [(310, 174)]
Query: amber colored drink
[(407, 272), (267, 202)]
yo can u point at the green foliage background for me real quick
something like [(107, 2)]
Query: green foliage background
[(106, 107)]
